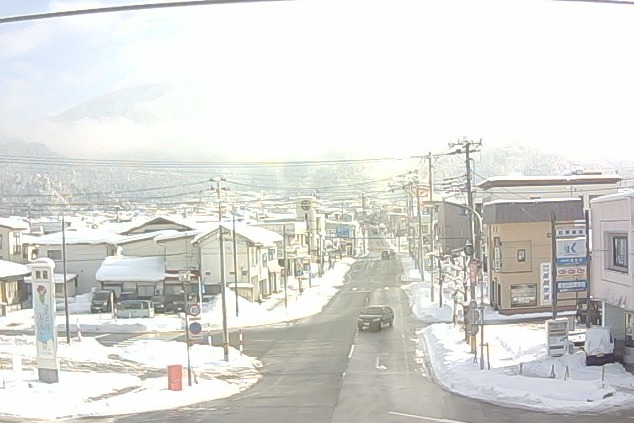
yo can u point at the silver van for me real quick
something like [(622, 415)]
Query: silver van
[(130, 309)]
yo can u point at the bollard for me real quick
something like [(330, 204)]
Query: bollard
[(521, 366), (488, 358), (552, 372), (241, 345), (567, 373)]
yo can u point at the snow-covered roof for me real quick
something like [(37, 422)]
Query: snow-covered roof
[(87, 236), (146, 235), (10, 269), (518, 181), (255, 234), (167, 235), (177, 220), (13, 223), (612, 197), (131, 269), (534, 200)]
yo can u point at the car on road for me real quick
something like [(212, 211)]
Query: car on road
[(375, 317), (102, 301), (388, 254)]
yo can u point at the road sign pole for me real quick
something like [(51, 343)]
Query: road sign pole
[(189, 367)]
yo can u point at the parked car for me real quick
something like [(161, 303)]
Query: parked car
[(127, 295), (135, 309), (375, 317), (162, 304), (102, 301)]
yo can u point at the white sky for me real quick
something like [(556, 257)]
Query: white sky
[(297, 79), (453, 366)]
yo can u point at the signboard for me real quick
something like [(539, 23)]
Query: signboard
[(571, 251), (571, 258), (546, 280), (193, 309), (305, 204), (571, 286), (473, 272), (195, 329), (44, 315), (343, 232)]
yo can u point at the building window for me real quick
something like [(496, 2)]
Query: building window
[(524, 295), (619, 252), (54, 254), (521, 255), (0, 241), (272, 254), (17, 243)]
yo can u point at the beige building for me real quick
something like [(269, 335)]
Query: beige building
[(520, 254)]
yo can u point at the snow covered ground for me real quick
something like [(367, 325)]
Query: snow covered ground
[(98, 380)]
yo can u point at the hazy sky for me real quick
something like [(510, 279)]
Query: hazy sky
[(296, 79)]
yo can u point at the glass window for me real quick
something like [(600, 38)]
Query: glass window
[(17, 243), (619, 252), (521, 255), (524, 295)]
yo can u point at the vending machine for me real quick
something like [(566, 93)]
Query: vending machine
[(557, 343)]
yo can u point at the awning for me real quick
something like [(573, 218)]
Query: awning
[(274, 267)]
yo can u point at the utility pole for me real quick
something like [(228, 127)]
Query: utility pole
[(431, 227), (235, 258), (474, 236), (223, 283), (285, 266), (64, 274)]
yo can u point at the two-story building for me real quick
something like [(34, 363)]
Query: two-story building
[(251, 266), (79, 252), (611, 269), (13, 290), (11, 231), (520, 245)]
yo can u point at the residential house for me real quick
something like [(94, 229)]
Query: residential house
[(13, 290), (611, 269), (452, 229), (11, 231), (579, 184), (519, 239), (254, 255), (293, 235), (79, 252), (142, 275)]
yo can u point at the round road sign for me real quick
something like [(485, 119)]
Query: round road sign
[(305, 204), (195, 328), (193, 309)]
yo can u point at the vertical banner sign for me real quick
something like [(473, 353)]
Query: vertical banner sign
[(546, 279), (44, 315)]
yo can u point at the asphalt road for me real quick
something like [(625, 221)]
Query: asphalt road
[(321, 369)]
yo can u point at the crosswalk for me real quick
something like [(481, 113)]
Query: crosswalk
[(116, 340)]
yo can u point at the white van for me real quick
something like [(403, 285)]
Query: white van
[(135, 309)]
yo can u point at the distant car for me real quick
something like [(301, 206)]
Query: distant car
[(375, 317), (161, 304), (102, 302)]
